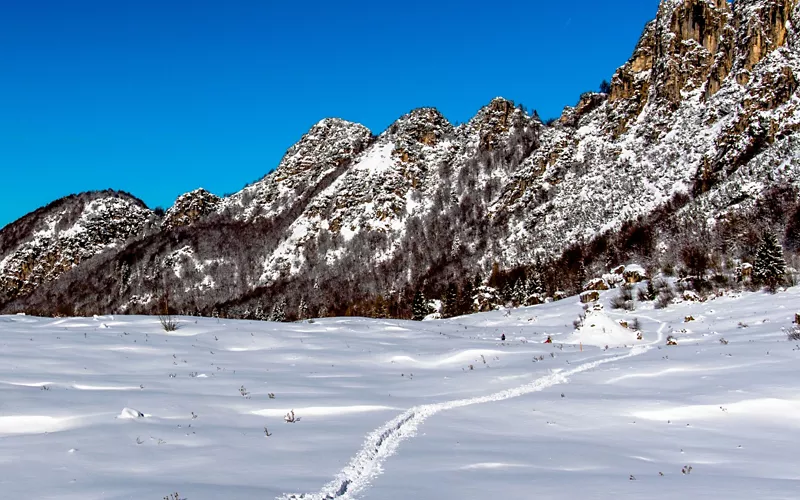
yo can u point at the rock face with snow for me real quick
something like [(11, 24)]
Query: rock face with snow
[(189, 208), (321, 156), (706, 107), (43, 245)]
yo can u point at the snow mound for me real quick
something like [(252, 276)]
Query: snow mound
[(130, 414), (598, 329)]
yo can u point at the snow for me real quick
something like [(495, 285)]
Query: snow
[(392, 409), (600, 330), (377, 160)]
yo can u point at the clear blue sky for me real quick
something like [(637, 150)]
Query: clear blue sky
[(159, 97)]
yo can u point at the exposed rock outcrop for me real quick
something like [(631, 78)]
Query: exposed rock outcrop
[(189, 208)]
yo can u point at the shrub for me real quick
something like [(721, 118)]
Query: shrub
[(695, 258), (624, 300), (168, 322), (665, 296), (794, 333)]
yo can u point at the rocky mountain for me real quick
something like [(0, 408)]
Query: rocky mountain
[(695, 134), (44, 244)]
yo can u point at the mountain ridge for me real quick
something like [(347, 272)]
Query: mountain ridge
[(696, 128)]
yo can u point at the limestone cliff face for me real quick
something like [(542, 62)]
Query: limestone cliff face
[(707, 104), (688, 46), (762, 27), (689, 35)]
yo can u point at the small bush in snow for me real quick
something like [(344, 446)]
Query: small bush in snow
[(624, 300), (665, 297), (168, 323), (174, 496), (794, 333)]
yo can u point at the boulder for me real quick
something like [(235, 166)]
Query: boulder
[(590, 296), (691, 296), (596, 284), (634, 273)]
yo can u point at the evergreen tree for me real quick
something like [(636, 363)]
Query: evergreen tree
[(450, 306), (507, 293), (580, 278), (519, 293), (465, 302), (770, 266), (279, 311), (419, 307), (792, 239), (302, 309)]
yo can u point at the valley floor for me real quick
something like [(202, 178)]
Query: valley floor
[(396, 410)]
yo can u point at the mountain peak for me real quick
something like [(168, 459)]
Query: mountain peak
[(189, 208), (422, 125), (494, 122)]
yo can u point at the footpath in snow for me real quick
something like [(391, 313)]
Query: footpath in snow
[(114, 407)]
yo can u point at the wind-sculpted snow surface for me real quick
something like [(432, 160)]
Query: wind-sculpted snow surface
[(116, 408), (384, 442)]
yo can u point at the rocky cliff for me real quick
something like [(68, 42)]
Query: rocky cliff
[(705, 110)]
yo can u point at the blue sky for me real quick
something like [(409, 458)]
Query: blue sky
[(161, 97)]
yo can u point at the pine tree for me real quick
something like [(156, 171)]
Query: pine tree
[(792, 239), (302, 309), (770, 266), (279, 311), (533, 288), (519, 293), (580, 278), (450, 306), (507, 293), (465, 302), (419, 307)]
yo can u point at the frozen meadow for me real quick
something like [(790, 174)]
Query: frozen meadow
[(117, 408)]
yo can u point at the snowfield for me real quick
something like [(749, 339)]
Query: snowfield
[(114, 407)]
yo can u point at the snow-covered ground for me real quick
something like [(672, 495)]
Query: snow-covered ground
[(400, 410)]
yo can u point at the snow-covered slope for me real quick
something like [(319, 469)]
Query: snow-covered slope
[(114, 407), (706, 105)]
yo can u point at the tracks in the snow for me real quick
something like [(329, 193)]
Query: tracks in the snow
[(383, 442)]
